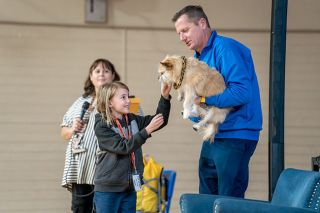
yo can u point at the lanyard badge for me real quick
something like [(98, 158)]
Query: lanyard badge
[(135, 175), (136, 181)]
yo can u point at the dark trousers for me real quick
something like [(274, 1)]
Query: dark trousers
[(115, 202), (224, 166), (82, 198)]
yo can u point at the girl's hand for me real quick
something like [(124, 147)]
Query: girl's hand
[(155, 123), (165, 90)]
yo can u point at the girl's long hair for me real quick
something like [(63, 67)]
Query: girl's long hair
[(105, 94), (88, 85)]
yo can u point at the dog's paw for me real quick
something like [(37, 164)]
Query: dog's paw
[(196, 127), (208, 133), (211, 140), (185, 115), (207, 138)]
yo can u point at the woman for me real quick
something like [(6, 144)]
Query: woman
[(80, 154)]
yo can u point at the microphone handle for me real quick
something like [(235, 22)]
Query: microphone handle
[(83, 111)]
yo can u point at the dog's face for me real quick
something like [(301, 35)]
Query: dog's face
[(170, 68)]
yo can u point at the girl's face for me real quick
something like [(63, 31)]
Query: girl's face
[(119, 103), (101, 76)]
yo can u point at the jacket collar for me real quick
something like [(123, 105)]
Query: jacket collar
[(209, 44)]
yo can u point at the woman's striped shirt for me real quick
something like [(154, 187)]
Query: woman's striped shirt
[(80, 168)]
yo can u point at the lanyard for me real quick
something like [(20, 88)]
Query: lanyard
[(133, 157)]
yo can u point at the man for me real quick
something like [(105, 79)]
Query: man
[(224, 164)]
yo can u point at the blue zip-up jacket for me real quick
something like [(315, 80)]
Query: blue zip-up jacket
[(233, 60)]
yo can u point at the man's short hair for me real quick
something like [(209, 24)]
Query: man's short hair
[(194, 13)]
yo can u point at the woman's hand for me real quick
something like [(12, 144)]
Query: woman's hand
[(165, 90), (77, 126), (155, 123)]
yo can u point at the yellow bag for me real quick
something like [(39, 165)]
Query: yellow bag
[(149, 198)]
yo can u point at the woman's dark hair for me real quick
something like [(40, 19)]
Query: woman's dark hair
[(88, 85), (193, 12)]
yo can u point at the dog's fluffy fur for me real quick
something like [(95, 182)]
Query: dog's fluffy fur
[(198, 80)]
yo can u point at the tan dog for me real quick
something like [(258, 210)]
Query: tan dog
[(193, 78)]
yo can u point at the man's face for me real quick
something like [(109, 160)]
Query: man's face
[(191, 33)]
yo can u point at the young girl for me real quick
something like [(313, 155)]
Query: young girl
[(120, 136)]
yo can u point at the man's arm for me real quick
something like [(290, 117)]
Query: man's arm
[(236, 69)]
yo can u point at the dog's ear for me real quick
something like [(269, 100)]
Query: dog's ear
[(167, 64)]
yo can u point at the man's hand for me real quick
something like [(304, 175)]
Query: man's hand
[(197, 100)]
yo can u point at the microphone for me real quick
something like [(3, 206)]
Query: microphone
[(85, 106), (76, 136)]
